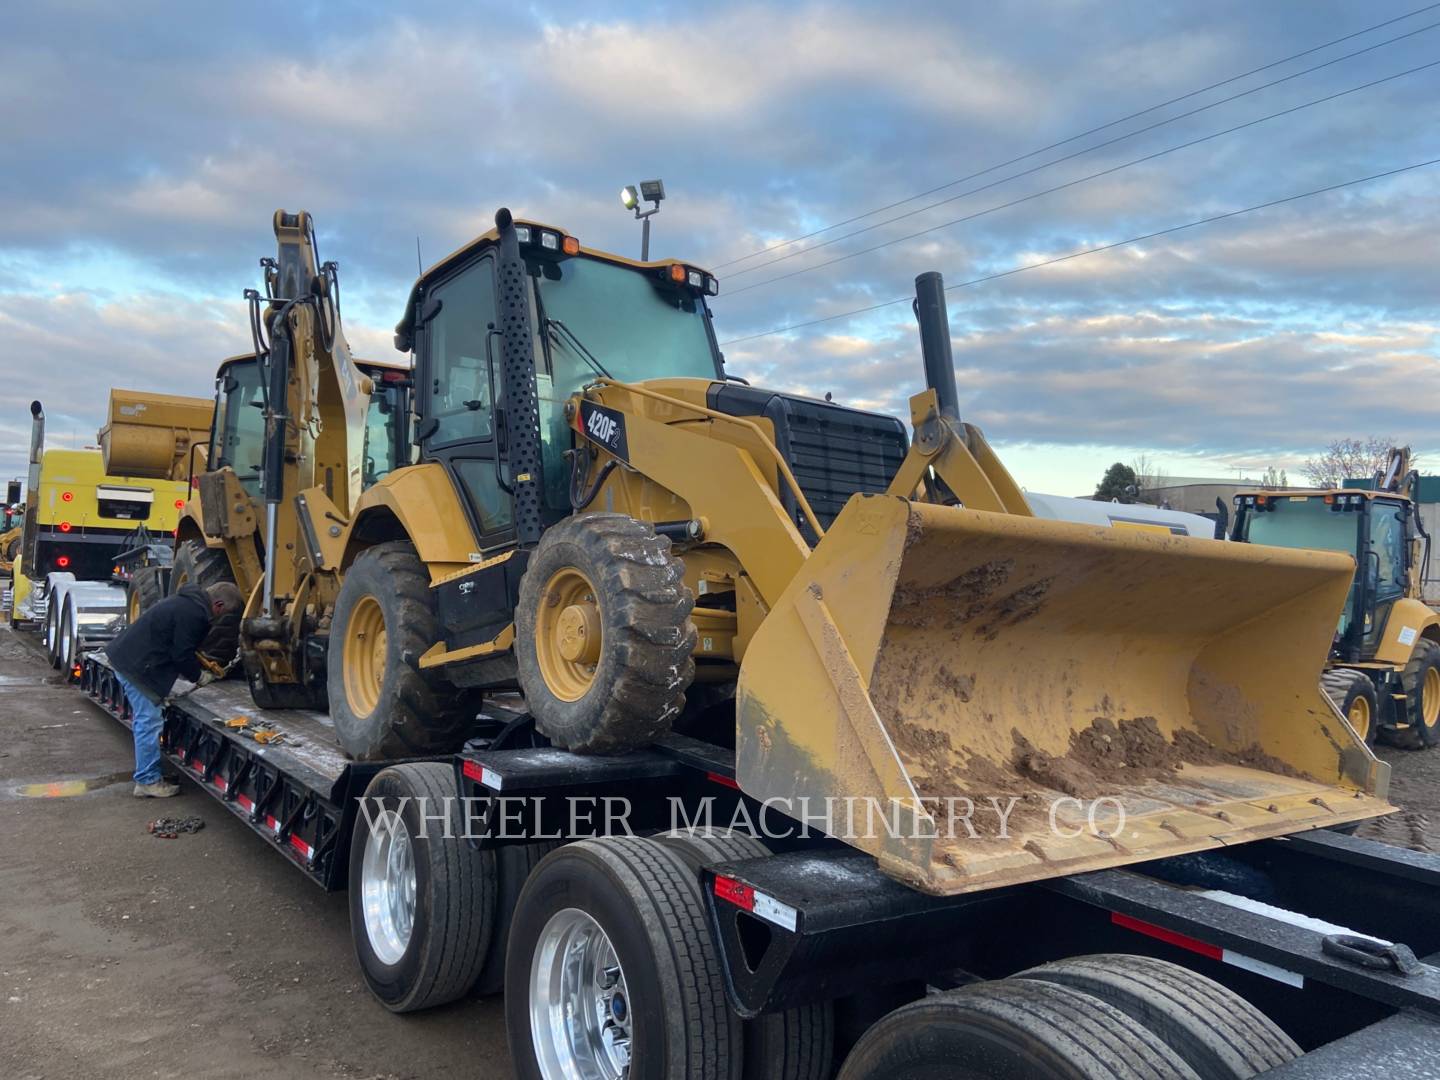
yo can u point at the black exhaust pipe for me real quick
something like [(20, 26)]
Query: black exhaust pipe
[(934, 322)]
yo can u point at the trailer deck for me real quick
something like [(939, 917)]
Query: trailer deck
[(1300, 926)]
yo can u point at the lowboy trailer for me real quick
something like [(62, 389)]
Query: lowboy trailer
[(710, 956)]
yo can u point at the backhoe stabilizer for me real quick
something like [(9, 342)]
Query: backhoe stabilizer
[(980, 699)]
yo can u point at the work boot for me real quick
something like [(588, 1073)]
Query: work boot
[(160, 789)]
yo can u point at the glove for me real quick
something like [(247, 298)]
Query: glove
[(213, 667), (206, 678)]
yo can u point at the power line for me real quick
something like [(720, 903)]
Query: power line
[(1083, 179), (1093, 250), (1074, 154), (1083, 134)]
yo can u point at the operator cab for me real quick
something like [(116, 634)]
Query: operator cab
[(237, 433), (591, 314), (1378, 530)]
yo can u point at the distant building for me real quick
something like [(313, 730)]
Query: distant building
[(1197, 494)]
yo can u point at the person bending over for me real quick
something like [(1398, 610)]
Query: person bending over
[(190, 635)]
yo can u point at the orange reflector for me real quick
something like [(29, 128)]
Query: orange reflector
[(66, 496), (179, 504), (1329, 499), (677, 273), (1262, 499), (570, 246)]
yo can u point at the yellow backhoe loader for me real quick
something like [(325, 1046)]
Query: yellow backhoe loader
[(300, 428), (604, 519), (1383, 672)]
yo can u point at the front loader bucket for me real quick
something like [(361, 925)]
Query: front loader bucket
[(980, 699)]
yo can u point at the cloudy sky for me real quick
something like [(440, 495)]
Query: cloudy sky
[(146, 145)]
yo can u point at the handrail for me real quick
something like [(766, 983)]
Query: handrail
[(739, 421)]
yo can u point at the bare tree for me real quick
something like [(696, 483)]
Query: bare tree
[(1349, 459), (1148, 474), (1274, 480)]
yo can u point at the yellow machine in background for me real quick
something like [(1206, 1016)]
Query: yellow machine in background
[(603, 519), (80, 515), (1383, 672)]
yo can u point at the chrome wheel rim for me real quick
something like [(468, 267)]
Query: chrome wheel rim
[(387, 886), (580, 1008)]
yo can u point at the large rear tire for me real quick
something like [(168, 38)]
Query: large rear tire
[(196, 564), (1011, 1030), (613, 971), (383, 705), (422, 905), (797, 1044), (1422, 692), (603, 639), (1218, 1033), (1353, 693)]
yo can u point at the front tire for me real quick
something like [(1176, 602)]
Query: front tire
[(383, 705), (1353, 693), (603, 639), (422, 905), (146, 589)]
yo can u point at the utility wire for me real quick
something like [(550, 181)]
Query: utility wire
[(1093, 250), (1083, 134), (1074, 154), (1081, 180)]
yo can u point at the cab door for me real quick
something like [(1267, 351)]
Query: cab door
[(456, 397)]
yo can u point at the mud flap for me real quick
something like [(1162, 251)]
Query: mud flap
[(981, 699)]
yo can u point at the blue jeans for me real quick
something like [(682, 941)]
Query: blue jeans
[(146, 725)]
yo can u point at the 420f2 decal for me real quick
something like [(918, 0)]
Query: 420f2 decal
[(606, 427)]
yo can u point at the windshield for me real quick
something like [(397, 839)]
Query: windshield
[(634, 327), (1307, 522), (242, 425)]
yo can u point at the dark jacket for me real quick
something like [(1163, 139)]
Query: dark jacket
[(160, 646)]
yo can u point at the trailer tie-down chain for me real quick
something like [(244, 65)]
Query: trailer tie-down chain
[(1369, 953)]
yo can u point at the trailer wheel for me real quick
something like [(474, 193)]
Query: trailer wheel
[(1218, 1033), (422, 906), (1422, 692), (603, 637), (146, 588), (514, 863), (613, 972), (68, 644), (1353, 693), (196, 564), (383, 705), (797, 1044), (1011, 1030)]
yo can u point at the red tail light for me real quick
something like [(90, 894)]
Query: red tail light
[(64, 526), (67, 496), (179, 504), (63, 561)]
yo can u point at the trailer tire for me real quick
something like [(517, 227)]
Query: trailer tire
[(437, 955), (383, 705), (1218, 1033), (68, 646), (145, 589), (514, 863), (1422, 693), (603, 639), (628, 904), (1011, 1030), (196, 564), (1353, 693), (797, 1044)]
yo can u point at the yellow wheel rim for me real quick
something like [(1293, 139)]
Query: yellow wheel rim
[(568, 635), (364, 656), (1430, 696), (1359, 717), (132, 609)]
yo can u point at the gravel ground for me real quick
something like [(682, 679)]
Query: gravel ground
[(126, 956)]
